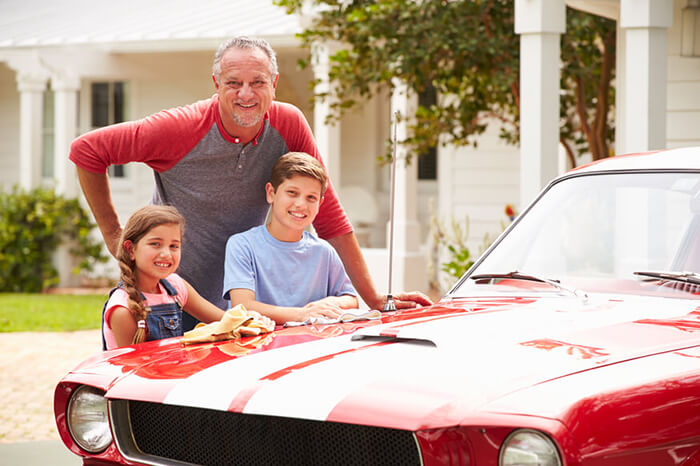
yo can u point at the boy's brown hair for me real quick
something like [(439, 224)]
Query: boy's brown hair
[(298, 164)]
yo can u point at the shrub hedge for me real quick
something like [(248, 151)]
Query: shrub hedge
[(32, 226)]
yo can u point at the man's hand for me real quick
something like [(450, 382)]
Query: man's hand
[(408, 300)]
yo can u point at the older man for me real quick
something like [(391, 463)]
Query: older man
[(211, 160)]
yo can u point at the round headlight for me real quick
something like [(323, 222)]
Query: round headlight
[(525, 447), (88, 421)]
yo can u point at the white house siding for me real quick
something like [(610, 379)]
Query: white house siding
[(9, 128), (683, 116), (478, 183), (683, 93)]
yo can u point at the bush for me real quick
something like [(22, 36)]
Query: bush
[(32, 225)]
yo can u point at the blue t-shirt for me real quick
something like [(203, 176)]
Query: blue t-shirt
[(284, 273)]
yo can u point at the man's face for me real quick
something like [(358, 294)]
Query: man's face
[(245, 88)]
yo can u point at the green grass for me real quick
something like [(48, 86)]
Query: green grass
[(23, 312)]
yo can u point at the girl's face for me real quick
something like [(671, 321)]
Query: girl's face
[(157, 253)]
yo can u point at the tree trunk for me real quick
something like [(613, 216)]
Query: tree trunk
[(601, 111)]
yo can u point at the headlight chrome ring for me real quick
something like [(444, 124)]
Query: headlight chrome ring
[(88, 419), (528, 447)]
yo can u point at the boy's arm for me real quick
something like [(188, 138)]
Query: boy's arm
[(281, 314), (343, 302)]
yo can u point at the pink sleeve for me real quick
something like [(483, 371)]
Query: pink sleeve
[(118, 298), (179, 284), (288, 120), (159, 140)]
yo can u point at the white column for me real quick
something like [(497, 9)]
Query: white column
[(409, 267), (540, 24), (31, 87), (645, 24), (66, 89), (327, 135)]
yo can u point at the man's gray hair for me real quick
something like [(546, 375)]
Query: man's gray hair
[(243, 42)]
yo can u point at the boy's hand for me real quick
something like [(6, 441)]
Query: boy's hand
[(321, 308)]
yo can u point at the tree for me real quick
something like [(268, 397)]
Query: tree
[(588, 57), (468, 52)]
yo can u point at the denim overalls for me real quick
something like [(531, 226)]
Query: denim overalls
[(164, 320)]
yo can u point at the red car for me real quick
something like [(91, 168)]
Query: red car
[(574, 340)]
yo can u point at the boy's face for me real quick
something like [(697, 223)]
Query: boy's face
[(295, 204)]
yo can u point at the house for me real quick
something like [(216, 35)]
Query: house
[(67, 67)]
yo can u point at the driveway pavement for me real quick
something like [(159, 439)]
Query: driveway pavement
[(31, 365)]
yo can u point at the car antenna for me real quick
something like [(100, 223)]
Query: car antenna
[(390, 306)]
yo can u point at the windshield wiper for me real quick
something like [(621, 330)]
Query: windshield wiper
[(515, 275), (684, 277)]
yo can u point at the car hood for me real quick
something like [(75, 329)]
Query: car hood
[(417, 369)]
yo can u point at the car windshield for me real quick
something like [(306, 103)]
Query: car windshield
[(621, 232)]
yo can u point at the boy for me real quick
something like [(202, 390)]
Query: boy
[(279, 269)]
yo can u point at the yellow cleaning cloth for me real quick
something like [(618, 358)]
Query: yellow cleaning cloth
[(235, 323)]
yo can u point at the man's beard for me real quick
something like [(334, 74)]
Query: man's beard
[(248, 121)]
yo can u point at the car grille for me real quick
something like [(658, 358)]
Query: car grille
[(155, 433)]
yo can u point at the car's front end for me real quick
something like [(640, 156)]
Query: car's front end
[(575, 340)]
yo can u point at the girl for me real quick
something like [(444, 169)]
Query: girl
[(148, 303)]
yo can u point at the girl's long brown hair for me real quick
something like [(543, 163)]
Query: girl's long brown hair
[(141, 222)]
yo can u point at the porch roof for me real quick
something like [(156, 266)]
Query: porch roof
[(132, 25)]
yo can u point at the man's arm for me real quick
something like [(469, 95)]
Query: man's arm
[(355, 266), (95, 187)]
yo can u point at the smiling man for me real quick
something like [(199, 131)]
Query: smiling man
[(211, 160)]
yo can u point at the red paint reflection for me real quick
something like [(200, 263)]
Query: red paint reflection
[(689, 322), (579, 351)]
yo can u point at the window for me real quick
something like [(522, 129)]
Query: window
[(109, 107), (427, 163)]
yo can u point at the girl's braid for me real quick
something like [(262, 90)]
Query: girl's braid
[(136, 304)]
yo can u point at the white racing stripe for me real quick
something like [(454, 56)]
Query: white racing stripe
[(313, 392), (217, 386)]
